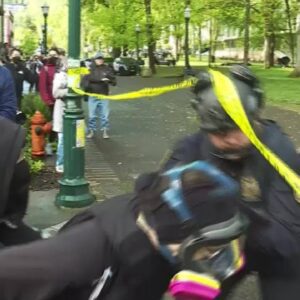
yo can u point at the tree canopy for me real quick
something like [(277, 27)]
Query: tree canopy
[(110, 24)]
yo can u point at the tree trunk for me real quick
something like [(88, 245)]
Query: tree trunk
[(269, 34), (272, 49), (267, 51), (291, 36), (210, 51), (125, 50), (200, 42), (296, 72), (150, 38), (246, 34), (116, 52), (177, 48)]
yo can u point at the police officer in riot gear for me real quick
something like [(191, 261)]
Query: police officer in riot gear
[(273, 240), (14, 186), (129, 247)]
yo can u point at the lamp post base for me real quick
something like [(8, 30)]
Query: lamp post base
[(74, 194)]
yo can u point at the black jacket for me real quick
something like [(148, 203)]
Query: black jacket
[(20, 73), (99, 254), (96, 84), (271, 205), (11, 143)]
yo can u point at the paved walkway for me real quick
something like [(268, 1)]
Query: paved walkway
[(104, 184)]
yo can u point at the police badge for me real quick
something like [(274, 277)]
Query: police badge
[(250, 189)]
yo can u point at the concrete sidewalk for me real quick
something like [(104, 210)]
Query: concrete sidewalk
[(104, 184)]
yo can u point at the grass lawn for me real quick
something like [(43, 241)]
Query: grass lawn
[(278, 86)]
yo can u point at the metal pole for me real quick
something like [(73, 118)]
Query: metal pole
[(45, 34), (186, 44), (74, 29), (74, 189)]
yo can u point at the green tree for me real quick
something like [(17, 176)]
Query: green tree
[(169, 20), (268, 7), (27, 36), (150, 37), (296, 72), (57, 22), (110, 26), (247, 21), (290, 29)]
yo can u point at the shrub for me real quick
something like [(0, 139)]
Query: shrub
[(30, 104), (36, 166), (33, 102)]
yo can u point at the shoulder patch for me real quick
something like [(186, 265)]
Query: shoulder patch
[(250, 188)]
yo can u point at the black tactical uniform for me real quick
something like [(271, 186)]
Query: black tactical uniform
[(273, 242), (14, 186)]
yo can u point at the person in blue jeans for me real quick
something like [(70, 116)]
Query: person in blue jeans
[(98, 81), (98, 108)]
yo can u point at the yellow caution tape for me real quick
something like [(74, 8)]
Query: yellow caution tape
[(146, 92), (78, 71), (230, 101)]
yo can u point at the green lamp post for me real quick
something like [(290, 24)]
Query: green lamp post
[(74, 188)]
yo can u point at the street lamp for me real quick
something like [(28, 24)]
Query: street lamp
[(137, 31), (45, 10), (73, 187), (187, 16)]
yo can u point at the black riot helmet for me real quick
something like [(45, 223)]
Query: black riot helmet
[(212, 116)]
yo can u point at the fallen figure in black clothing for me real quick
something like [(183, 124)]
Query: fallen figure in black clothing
[(14, 186), (180, 231)]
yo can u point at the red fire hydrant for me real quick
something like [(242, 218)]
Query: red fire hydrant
[(39, 128)]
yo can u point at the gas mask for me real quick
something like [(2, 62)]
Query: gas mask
[(210, 254), (207, 258)]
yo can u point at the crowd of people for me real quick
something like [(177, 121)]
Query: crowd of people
[(47, 75), (215, 211), (39, 72)]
